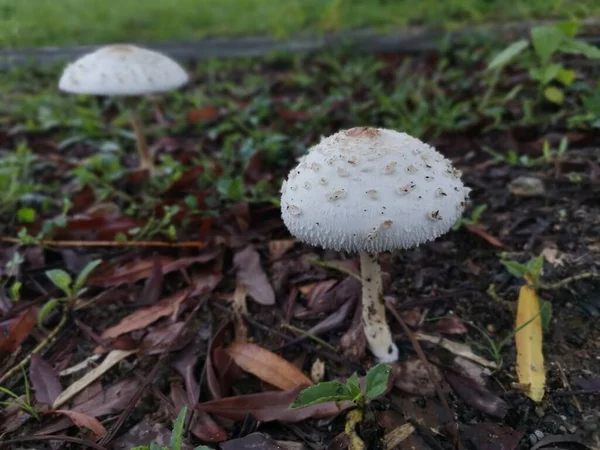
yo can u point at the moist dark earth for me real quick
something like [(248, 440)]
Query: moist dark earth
[(226, 142)]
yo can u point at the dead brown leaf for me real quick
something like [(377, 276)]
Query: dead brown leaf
[(251, 274), (143, 317), (114, 357), (142, 268), (448, 325), (201, 114), (269, 406), (266, 365), (110, 400), (13, 332), (216, 384), (330, 296), (83, 421), (278, 247), (412, 377), (167, 337), (44, 380), (476, 396)]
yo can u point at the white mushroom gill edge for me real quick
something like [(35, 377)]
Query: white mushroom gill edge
[(377, 331)]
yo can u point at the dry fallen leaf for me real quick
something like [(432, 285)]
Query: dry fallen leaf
[(109, 400), (145, 316), (84, 421), (44, 380), (143, 268), (278, 247), (202, 425), (114, 357), (251, 274), (476, 396), (457, 348), (413, 377), (528, 339), (14, 331), (266, 365), (269, 406)]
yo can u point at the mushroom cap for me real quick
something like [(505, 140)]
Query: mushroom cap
[(371, 190), (122, 70)]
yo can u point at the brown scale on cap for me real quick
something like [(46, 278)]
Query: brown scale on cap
[(363, 132)]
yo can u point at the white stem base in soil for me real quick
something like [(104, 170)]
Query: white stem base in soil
[(377, 331)]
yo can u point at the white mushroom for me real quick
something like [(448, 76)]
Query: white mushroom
[(412, 196), (124, 71)]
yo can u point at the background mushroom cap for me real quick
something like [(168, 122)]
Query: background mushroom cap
[(122, 70), (374, 190)]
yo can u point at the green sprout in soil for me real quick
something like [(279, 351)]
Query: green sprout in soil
[(71, 289), (549, 155), (473, 219), (539, 56), (376, 383), (24, 403)]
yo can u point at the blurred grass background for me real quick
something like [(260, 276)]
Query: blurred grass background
[(27, 23)]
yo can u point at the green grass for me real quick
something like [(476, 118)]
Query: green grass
[(28, 23)]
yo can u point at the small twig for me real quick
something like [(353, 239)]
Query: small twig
[(436, 384), (55, 437), (47, 340), (569, 280), (51, 243), (327, 265)]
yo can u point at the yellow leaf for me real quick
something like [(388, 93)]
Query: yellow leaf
[(528, 338)]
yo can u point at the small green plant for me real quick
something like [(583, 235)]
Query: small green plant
[(16, 179), (547, 41), (176, 436), (548, 156), (532, 269), (25, 404), (494, 348), (334, 391), (48, 226), (155, 227), (590, 116), (473, 220), (71, 289)]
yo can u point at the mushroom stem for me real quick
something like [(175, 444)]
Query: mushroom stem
[(146, 161), (377, 330)]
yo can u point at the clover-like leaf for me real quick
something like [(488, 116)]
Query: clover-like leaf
[(377, 380)]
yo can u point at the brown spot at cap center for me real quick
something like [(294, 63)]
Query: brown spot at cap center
[(363, 132), (120, 48)]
